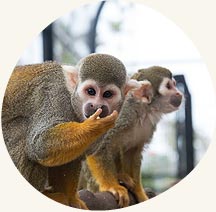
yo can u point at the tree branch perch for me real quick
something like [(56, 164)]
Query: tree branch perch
[(105, 200)]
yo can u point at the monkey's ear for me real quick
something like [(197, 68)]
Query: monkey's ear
[(145, 92), (131, 84), (71, 76)]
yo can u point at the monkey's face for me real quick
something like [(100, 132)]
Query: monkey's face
[(170, 97), (94, 96)]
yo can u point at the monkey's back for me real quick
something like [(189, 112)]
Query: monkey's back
[(22, 81), (36, 97)]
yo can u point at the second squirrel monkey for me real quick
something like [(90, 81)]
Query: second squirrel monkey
[(121, 153)]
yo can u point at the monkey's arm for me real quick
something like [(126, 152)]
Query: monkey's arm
[(103, 169), (133, 108), (128, 116), (67, 141)]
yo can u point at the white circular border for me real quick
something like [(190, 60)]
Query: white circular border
[(21, 20)]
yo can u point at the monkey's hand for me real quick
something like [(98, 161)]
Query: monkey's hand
[(119, 192), (100, 125), (126, 180), (135, 187)]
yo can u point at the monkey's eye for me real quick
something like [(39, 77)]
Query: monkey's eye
[(107, 94), (168, 85), (91, 91)]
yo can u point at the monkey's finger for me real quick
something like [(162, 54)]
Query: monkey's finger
[(125, 201), (121, 202), (113, 116), (121, 197), (96, 114)]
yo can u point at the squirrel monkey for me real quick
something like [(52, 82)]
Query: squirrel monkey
[(52, 114), (119, 157)]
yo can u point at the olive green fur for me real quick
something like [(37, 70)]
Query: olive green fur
[(154, 74), (103, 68)]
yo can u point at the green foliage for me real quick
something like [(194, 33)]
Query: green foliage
[(115, 26)]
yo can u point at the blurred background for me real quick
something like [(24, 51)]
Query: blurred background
[(141, 37)]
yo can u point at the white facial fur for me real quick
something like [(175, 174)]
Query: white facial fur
[(164, 90), (168, 91), (98, 99)]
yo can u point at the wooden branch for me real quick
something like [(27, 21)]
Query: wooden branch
[(105, 200)]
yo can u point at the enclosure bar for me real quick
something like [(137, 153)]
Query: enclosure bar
[(47, 35), (188, 147), (93, 28)]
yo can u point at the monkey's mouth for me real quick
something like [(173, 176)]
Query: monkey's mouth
[(176, 101), (87, 116), (90, 109)]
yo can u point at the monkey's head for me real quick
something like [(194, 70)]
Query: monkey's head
[(98, 81), (166, 96)]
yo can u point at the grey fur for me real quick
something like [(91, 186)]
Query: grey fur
[(92, 67)]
